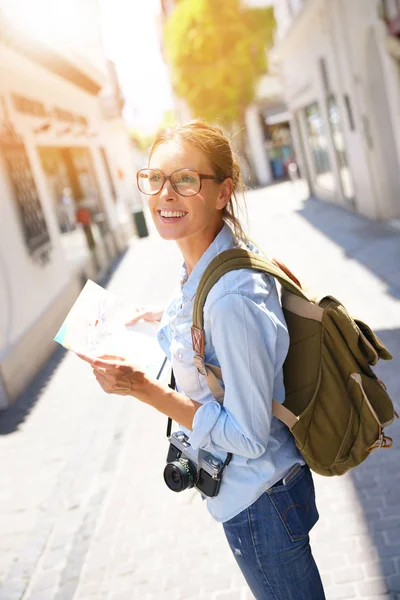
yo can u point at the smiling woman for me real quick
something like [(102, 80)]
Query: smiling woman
[(226, 373), (184, 177)]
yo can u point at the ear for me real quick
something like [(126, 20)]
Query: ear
[(225, 193)]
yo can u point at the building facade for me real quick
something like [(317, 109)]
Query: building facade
[(66, 176), (339, 64)]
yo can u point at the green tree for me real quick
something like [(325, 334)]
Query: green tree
[(217, 50)]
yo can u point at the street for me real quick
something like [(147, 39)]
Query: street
[(84, 511)]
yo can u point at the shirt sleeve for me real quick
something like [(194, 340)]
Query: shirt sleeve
[(244, 336)]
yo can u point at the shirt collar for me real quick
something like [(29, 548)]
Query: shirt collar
[(224, 241)]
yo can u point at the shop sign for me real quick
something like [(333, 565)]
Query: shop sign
[(35, 108)]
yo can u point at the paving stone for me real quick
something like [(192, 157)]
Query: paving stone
[(228, 595), (379, 568), (372, 587), (394, 583), (54, 559), (43, 595), (347, 575), (393, 535), (389, 551), (342, 592), (46, 581)]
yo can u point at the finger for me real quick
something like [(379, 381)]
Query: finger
[(109, 365), (85, 357), (106, 375), (106, 385), (99, 370), (113, 372), (142, 314), (113, 386), (102, 381), (100, 377)]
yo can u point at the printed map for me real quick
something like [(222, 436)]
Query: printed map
[(95, 326)]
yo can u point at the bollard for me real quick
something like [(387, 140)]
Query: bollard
[(140, 223)]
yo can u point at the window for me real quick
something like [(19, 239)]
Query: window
[(318, 143), (338, 142)]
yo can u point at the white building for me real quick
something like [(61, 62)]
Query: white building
[(340, 69), (64, 155)]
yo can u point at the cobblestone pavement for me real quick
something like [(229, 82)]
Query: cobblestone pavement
[(84, 512)]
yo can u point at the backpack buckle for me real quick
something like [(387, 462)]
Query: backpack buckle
[(383, 441), (200, 364)]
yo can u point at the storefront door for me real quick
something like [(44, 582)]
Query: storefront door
[(73, 187)]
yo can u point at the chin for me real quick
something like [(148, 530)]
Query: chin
[(169, 233), (172, 232)]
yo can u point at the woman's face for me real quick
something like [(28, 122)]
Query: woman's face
[(191, 218)]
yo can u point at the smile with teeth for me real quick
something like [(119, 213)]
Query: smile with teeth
[(172, 214)]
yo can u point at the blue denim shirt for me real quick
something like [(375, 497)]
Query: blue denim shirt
[(246, 336)]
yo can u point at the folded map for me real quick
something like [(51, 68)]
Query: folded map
[(95, 326)]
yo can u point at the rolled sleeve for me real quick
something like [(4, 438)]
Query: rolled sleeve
[(204, 420), (244, 338)]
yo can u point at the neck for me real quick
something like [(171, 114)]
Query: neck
[(193, 248)]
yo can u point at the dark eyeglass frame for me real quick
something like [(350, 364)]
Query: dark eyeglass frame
[(169, 178)]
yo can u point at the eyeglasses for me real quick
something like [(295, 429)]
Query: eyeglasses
[(186, 182)]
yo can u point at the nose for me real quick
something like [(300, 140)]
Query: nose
[(167, 193)]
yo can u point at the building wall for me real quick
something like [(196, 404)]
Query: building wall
[(364, 81), (378, 87), (71, 28), (34, 298)]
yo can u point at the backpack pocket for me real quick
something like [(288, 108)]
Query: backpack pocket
[(371, 410), (295, 504), (375, 397), (370, 345)]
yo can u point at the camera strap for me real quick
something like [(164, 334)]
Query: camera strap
[(172, 385)]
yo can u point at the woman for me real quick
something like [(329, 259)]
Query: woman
[(266, 501)]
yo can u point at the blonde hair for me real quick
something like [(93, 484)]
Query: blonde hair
[(215, 145)]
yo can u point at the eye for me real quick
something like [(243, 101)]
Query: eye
[(185, 178), (155, 177)]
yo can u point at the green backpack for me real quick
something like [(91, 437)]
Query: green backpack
[(335, 406)]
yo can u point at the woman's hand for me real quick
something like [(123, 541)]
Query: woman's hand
[(147, 313), (116, 375)]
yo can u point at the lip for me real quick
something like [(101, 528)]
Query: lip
[(168, 220)]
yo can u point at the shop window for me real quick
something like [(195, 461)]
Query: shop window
[(340, 149), (318, 143), (33, 222), (350, 115), (109, 175), (59, 187), (73, 187)]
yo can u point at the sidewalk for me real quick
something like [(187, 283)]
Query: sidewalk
[(84, 511)]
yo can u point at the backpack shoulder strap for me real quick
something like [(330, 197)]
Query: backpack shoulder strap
[(231, 260)]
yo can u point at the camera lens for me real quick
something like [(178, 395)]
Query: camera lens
[(180, 475)]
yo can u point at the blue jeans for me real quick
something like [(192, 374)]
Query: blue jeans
[(270, 542)]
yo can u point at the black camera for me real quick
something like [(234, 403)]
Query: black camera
[(182, 471)]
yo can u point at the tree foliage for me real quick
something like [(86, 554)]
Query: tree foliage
[(217, 52)]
